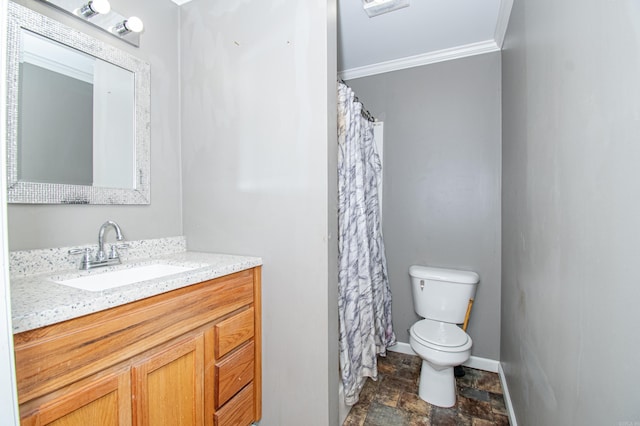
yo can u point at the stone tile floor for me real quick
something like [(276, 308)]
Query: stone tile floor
[(393, 399)]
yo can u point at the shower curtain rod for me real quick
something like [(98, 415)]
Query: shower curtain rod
[(365, 112)]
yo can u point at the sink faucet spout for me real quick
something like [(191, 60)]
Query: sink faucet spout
[(101, 255)]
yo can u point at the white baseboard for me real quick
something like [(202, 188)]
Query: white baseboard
[(477, 362), (403, 348), (343, 408), (484, 364), (507, 397)]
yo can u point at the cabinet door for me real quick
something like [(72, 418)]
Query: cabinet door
[(105, 402), (168, 385)]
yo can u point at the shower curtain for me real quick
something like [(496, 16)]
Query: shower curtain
[(364, 303)]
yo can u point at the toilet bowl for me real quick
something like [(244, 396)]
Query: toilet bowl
[(441, 297), (441, 347)]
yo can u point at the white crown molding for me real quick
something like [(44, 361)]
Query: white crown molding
[(51, 64), (422, 59), (503, 21), (180, 2), (56, 57)]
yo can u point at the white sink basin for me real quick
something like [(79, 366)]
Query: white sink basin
[(99, 281)]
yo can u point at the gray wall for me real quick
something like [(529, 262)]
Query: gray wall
[(441, 203), (41, 226), (571, 209), (259, 149)]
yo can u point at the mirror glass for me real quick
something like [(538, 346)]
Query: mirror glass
[(87, 94), (80, 129)]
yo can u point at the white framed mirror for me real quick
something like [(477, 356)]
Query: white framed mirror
[(78, 116)]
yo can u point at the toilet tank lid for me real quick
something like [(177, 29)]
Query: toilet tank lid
[(441, 274)]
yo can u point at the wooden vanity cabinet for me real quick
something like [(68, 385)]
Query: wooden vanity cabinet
[(191, 356)]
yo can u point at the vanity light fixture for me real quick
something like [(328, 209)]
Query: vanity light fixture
[(94, 7), (100, 14), (133, 24)]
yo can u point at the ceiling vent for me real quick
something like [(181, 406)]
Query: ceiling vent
[(378, 7)]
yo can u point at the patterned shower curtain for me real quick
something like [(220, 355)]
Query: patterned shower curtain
[(364, 297)]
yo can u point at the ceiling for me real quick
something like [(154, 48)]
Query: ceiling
[(427, 31)]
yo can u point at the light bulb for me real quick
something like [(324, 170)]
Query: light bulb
[(93, 8), (134, 24), (100, 6)]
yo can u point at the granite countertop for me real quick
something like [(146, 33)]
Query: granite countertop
[(38, 301)]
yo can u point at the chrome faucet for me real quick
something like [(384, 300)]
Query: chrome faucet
[(101, 258), (100, 255)]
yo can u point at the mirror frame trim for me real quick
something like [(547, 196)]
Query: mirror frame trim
[(18, 18)]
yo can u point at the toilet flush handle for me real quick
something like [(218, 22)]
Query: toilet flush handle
[(421, 285)]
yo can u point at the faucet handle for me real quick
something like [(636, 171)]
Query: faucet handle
[(113, 253), (85, 251), (86, 256)]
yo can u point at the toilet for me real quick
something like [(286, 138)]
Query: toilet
[(441, 297)]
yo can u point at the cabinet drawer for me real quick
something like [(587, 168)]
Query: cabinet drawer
[(238, 411), (233, 331), (233, 372)]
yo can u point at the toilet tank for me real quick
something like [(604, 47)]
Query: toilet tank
[(442, 294)]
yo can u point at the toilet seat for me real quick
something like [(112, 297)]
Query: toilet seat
[(440, 336)]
